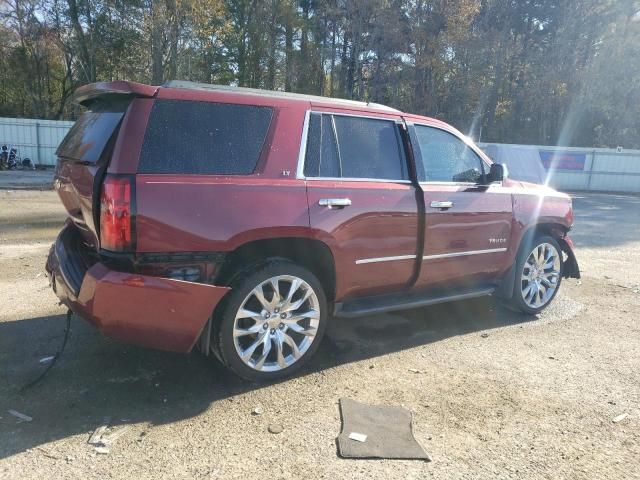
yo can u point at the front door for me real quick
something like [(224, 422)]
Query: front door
[(361, 202), (467, 225)]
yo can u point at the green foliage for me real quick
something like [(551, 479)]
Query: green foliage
[(518, 71)]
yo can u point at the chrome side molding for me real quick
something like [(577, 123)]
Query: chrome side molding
[(363, 261)]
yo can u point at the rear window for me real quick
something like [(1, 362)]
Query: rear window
[(88, 137), (204, 138)]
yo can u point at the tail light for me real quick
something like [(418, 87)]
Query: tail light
[(117, 214)]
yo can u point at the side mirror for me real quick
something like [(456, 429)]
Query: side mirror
[(497, 173)]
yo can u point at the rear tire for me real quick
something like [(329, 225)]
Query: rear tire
[(538, 276), (271, 322)]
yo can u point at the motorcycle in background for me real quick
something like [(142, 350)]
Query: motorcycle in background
[(10, 160)]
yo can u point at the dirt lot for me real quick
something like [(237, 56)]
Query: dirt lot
[(498, 395)]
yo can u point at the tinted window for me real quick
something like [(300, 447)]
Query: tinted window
[(204, 138), (89, 135), (446, 158), (329, 158), (353, 147), (369, 148), (312, 156), (322, 153)]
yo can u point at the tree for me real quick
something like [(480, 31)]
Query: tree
[(520, 71)]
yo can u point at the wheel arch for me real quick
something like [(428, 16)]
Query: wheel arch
[(312, 254), (558, 232)]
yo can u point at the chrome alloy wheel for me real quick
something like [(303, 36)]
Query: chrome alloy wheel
[(276, 323), (540, 275)]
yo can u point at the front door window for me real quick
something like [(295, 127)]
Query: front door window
[(446, 158)]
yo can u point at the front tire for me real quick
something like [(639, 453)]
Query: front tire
[(272, 321), (539, 269)]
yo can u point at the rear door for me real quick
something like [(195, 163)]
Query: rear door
[(361, 201), (468, 225)]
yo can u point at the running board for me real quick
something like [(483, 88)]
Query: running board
[(403, 301)]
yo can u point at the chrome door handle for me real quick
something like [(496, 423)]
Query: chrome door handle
[(436, 204), (334, 202)]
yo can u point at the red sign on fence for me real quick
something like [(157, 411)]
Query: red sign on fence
[(562, 160)]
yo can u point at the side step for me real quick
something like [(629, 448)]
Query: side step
[(404, 301)]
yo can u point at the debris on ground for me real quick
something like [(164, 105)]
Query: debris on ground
[(115, 435), (47, 453), (619, 418), (484, 335), (21, 416), (275, 428), (101, 441), (258, 410), (44, 360), (96, 436), (415, 370), (389, 432)]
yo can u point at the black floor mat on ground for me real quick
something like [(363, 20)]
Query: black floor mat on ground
[(388, 432)]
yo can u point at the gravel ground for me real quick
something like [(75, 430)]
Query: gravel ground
[(26, 179), (498, 395)]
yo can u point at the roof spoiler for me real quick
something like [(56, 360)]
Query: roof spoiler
[(87, 93)]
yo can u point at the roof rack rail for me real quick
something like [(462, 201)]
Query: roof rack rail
[(275, 93)]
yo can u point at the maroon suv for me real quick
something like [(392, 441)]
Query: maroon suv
[(242, 220)]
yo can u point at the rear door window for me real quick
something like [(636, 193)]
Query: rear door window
[(322, 152), (446, 158), (87, 139), (354, 147), (204, 138)]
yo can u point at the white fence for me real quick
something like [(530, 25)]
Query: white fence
[(595, 169), (34, 139), (566, 168)]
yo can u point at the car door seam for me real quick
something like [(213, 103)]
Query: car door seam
[(420, 205)]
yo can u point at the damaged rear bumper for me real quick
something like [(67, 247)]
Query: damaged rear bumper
[(145, 310)]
